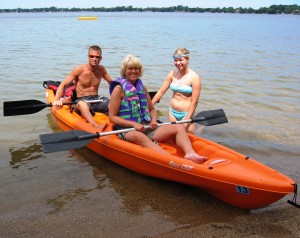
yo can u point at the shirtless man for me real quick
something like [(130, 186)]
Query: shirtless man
[(87, 78)]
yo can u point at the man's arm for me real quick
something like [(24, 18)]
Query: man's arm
[(60, 90), (106, 76)]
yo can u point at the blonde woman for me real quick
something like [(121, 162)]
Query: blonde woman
[(131, 106), (186, 87)]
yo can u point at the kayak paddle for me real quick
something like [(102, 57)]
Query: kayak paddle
[(24, 107), (76, 138)]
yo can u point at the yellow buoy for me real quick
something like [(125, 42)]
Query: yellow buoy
[(87, 18)]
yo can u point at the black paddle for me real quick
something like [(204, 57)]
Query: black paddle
[(152, 94), (24, 107), (76, 138)]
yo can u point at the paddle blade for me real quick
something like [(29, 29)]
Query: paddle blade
[(60, 141), (213, 121), (24, 107), (210, 118), (211, 114), (152, 94)]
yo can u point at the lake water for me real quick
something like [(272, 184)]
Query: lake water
[(250, 67)]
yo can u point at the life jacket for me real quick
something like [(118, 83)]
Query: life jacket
[(55, 84), (134, 105)]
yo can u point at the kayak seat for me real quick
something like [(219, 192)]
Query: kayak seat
[(78, 116), (100, 117), (197, 145), (171, 149), (204, 149), (109, 127)]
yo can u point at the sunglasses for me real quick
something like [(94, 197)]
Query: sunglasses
[(94, 56)]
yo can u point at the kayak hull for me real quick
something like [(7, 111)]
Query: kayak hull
[(227, 175)]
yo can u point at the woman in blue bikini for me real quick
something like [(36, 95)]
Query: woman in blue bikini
[(186, 87)]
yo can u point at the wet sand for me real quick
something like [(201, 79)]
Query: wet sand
[(80, 194)]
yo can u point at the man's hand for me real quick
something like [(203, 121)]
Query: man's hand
[(58, 103)]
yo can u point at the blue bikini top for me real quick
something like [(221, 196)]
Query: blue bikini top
[(181, 89)]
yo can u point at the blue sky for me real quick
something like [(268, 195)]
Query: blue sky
[(4, 4)]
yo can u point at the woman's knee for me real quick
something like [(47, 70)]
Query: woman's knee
[(136, 137), (179, 128), (167, 132)]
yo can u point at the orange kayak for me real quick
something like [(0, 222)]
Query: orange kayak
[(227, 175)]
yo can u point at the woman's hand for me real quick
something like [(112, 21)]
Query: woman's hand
[(139, 127), (153, 124)]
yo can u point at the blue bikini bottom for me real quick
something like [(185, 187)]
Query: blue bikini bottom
[(178, 115)]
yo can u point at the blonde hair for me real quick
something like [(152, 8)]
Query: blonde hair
[(182, 51), (131, 61)]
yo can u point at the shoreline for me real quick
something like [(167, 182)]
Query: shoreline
[(273, 9)]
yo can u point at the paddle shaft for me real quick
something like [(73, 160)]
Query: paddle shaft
[(77, 138), (72, 103), (146, 127), (196, 119), (24, 107)]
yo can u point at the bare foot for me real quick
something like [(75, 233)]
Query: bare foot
[(101, 127), (198, 159)]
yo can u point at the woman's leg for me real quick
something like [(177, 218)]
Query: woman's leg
[(139, 138), (190, 127), (178, 132)]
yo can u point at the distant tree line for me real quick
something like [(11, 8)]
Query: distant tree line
[(274, 9)]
